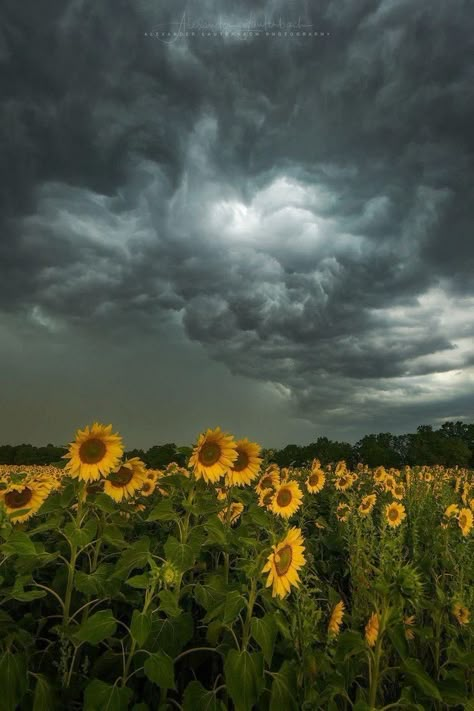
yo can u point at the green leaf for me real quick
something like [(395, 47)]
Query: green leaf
[(140, 582), (163, 511), (81, 536), (171, 634), (234, 603), (216, 532), (420, 678), (180, 554), (159, 669), (169, 604), (113, 536), (243, 673), (13, 680), (197, 697), (19, 543), (136, 556), (43, 697), (105, 503), (349, 643), (264, 631), (283, 692), (140, 626), (93, 583), (99, 696), (97, 627), (398, 639)]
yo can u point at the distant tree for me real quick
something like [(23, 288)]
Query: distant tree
[(161, 455)]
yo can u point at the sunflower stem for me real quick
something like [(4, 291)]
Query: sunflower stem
[(248, 619)]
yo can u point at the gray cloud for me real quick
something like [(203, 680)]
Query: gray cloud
[(298, 211)]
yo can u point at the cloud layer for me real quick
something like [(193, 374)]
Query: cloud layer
[(293, 213)]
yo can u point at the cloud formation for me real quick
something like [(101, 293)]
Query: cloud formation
[(296, 210)]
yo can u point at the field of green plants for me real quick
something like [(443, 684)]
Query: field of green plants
[(232, 583)]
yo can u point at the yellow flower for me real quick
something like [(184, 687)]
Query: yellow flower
[(213, 455), (452, 510), (265, 498), (395, 513), (389, 482), (343, 482), (284, 562), (128, 479), (471, 504), (461, 613), (343, 511), (409, 622), (27, 497), (316, 480), (372, 629), (270, 479), (341, 468), (246, 467), (465, 520), (380, 475), (398, 491), (148, 487), (287, 499), (94, 453), (367, 504), (234, 513), (315, 465), (335, 620)]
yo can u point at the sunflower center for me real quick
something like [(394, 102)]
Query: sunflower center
[(146, 487), (95, 487), (314, 480), (18, 499), (209, 454), (267, 482), (241, 462), (122, 477), (463, 520), (92, 451), (365, 504), (283, 559), (393, 514), (284, 498), (267, 499)]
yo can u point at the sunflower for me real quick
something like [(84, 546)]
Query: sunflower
[(269, 480), (233, 512), (395, 513), (335, 621), (148, 487), (465, 520), (315, 481), (126, 480), (451, 511), (367, 504), (246, 467), (27, 497), (409, 622), (372, 629), (265, 498), (471, 504), (341, 468), (213, 455), (315, 465), (342, 512), (461, 613), (389, 483), (94, 453), (380, 475), (343, 482), (284, 562), (287, 499)]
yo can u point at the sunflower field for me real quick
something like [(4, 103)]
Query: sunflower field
[(233, 584)]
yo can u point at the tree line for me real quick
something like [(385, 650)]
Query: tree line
[(452, 444)]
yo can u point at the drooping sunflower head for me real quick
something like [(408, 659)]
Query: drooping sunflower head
[(344, 482), (247, 465), (316, 480), (465, 520), (341, 468), (367, 504), (380, 475), (315, 465), (461, 613), (127, 479), (284, 562), (343, 511), (94, 453), (372, 629), (214, 453), (287, 499), (395, 513), (231, 513), (335, 621), (22, 501), (269, 480), (265, 498)]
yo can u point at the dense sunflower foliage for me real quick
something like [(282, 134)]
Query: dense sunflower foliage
[(231, 583)]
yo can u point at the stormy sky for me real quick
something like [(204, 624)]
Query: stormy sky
[(267, 232)]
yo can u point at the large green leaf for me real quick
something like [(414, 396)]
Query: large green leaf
[(171, 634), (283, 692), (163, 511), (81, 536), (43, 697), (97, 627), (136, 556), (169, 603), (264, 631), (197, 697), (140, 626), (180, 554), (159, 669), (420, 678), (19, 543), (99, 696), (243, 673), (13, 680)]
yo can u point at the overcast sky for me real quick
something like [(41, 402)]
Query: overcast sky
[(273, 234)]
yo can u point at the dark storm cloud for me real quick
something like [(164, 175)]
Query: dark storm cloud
[(302, 208)]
